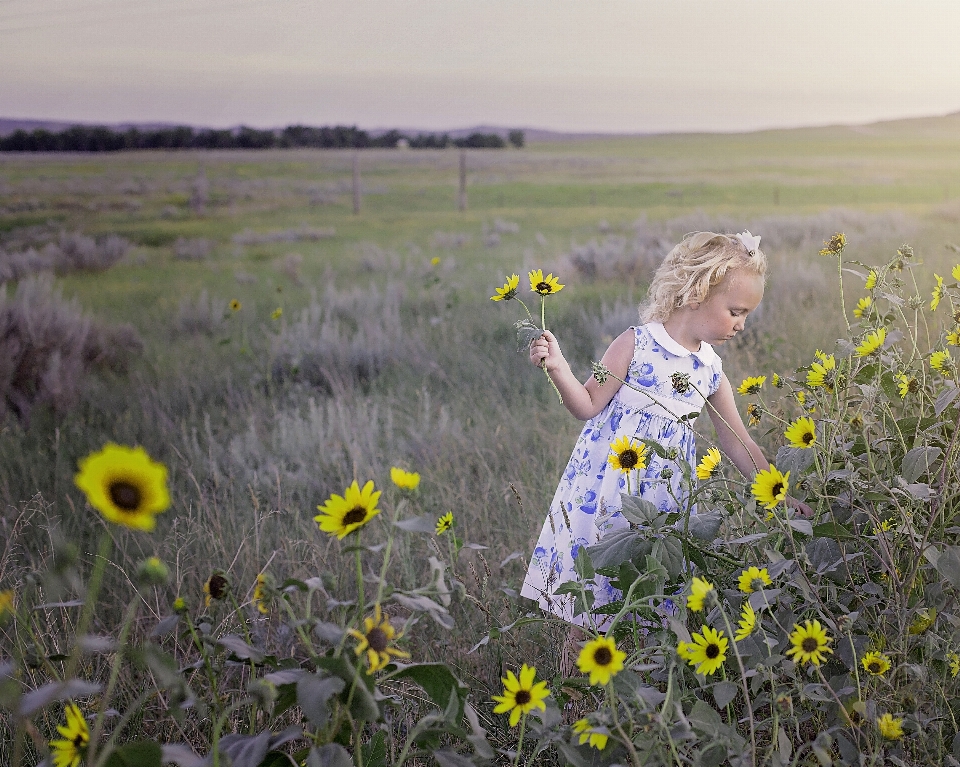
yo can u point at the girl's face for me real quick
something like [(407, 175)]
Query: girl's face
[(724, 312)]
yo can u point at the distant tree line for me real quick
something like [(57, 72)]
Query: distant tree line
[(82, 138)]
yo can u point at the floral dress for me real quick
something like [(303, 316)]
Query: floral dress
[(587, 502)]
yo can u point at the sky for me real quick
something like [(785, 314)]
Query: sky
[(617, 66)]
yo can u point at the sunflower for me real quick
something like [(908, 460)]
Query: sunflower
[(707, 651), (180, 605), (435, 261), (341, 515), (954, 660), (521, 695), (863, 307), (754, 411), (953, 337), (925, 618), (938, 293), (891, 728), (871, 342), (802, 433), (217, 587), (809, 643), (509, 289), (906, 384), (752, 384), (875, 663), (708, 464), (753, 579), (835, 245), (124, 485), (445, 523), (235, 305), (940, 360), (405, 480), (700, 589), (683, 649), (627, 454), (822, 373), (596, 738), (375, 641), (76, 737), (770, 486), (543, 286), (260, 593), (6, 603), (747, 623), (871, 282), (601, 659), (277, 313), (777, 381)]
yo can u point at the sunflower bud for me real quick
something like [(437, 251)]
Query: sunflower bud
[(264, 691), (152, 572), (180, 605)]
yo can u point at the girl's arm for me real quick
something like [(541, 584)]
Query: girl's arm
[(732, 434), (584, 401)]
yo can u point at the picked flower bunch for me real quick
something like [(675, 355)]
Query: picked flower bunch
[(527, 329)]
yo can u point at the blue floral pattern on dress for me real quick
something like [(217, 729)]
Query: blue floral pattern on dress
[(587, 501)]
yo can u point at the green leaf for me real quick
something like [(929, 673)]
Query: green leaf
[(917, 462), (704, 718), (277, 759), (618, 546), (375, 752), (638, 511), (706, 526), (239, 648), (865, 375), (313, 692), (582, 564), (140, 753), (358, 688), (833, 530), (438, 681), (724, 693), (527, 332), (948, 564), (669, 552), (945, 399), (329, 755), (245, 750)]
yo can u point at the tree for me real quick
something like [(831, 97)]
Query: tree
[(516, 138)]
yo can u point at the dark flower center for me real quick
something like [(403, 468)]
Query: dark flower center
[(810, 644), (913, 386), (79, 741), (355, 516), (603, 656), (543, 287), (807, 438), (522, 697), (377, 639), (777, 489), (629, 458), (218, 586), (712, 651), (874, 667), (125, 496)]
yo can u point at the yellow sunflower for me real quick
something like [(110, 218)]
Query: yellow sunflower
[(808, 643), (938, 293), (708, 464), (954, 660), (891, 728), (777, 381), (444, 523), (375, 640), (260, 594), (543, 286), (835, 245), (906, 384), (875, 663), (521, 695), (405, 480), (124, 485), (509, 289), (707, 651), (700, 590), (235, 305), (940, 360), (754, 579), (277, 313), (435, 261), (216, 587), (747, 622), (953, 337), (627, 454), (863, 307), (801, 433), (822, 373), (754, 411), (601, 659), (752, 384), (6, 603), (770, 486), (597, 738), (341, 515), (76, 737), (925, 618), (872, 342), (956, 272), (871, 282)]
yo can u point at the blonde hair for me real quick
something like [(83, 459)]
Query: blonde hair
[(698, 263)]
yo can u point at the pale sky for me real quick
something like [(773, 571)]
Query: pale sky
[(572, 65)]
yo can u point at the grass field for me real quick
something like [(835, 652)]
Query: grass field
[(388, 351)]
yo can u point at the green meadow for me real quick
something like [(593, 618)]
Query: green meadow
[(386, 350)]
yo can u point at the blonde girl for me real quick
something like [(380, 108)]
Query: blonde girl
[(700, 297)]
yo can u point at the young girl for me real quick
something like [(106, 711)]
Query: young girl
[(701, 295)]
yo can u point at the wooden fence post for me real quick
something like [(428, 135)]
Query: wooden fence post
[(462, 196), (356, 181)]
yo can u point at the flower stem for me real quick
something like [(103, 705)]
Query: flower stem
[(523, 724)]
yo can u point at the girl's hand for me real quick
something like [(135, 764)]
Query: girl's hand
[(545, 352), (800, 507)]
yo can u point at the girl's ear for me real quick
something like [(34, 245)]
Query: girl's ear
[(694, 305)]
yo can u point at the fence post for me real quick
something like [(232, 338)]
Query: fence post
[(462, 196), (356, 181)]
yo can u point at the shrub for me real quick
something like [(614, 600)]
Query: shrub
[(195, 249), (200, 315)]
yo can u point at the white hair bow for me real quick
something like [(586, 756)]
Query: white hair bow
[(750, 242)]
